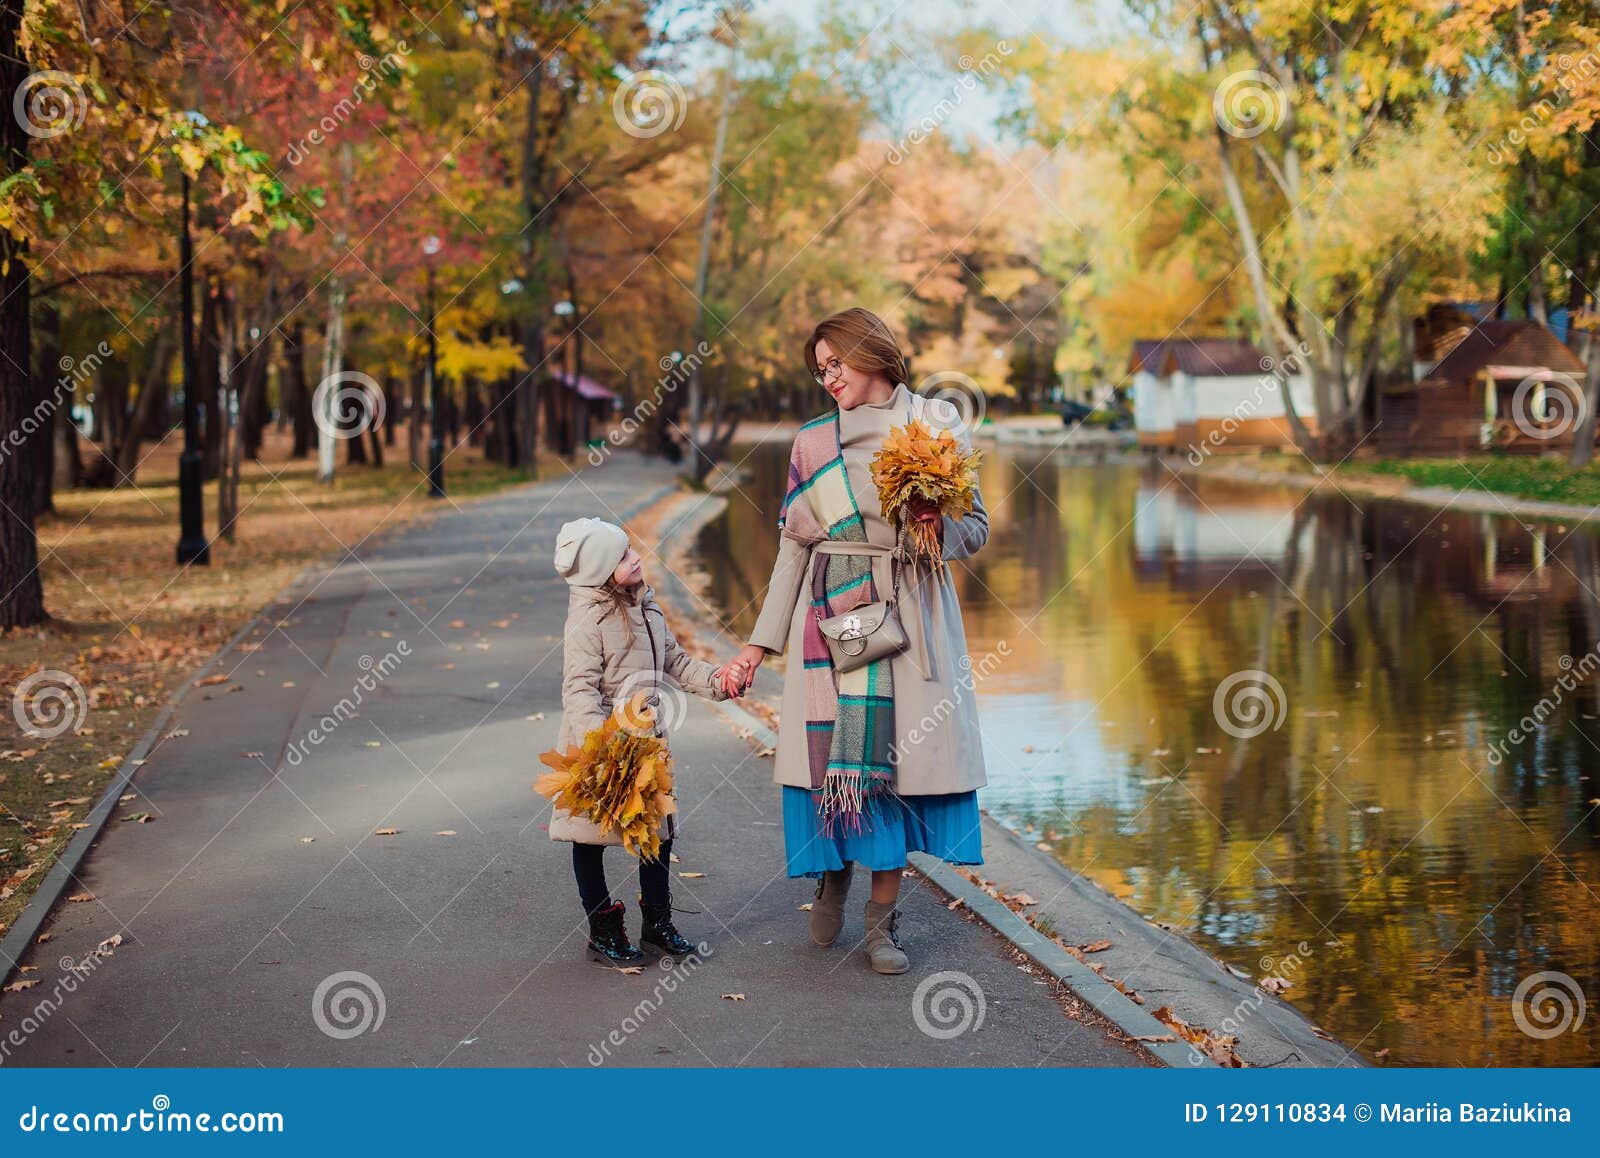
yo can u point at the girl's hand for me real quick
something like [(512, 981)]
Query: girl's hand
[(740, 672)]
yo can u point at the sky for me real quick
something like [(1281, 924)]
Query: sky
[(976, 113)]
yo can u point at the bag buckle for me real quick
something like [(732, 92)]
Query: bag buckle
[(851, 628)]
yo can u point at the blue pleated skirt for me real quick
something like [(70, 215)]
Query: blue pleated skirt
[(947, 827)]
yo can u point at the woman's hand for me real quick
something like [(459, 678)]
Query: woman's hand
[(926, 512), (740, 672)]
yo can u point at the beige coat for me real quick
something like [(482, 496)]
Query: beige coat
[(601, 663), (938, 746)]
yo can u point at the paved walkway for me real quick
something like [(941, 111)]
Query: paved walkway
[(263, 875)]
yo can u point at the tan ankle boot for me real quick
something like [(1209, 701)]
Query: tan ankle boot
[(883, 947), (827, 910)]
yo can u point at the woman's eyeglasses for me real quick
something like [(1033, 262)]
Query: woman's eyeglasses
[(832, 369)]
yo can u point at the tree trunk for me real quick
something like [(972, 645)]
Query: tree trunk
[(380, 418), (391, 409), (68, 462), (208, 383), (414, 424), (21, 593), (229, 372), (296, 393), (150, 407), (49, 395)]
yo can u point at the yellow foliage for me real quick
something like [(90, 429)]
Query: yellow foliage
[(916, 463), (620, 778)]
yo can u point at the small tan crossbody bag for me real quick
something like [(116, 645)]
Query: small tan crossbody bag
[(872, 631)]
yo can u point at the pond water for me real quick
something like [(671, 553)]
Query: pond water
[(1375, 833)]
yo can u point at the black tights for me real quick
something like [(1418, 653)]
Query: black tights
[(589, 867)]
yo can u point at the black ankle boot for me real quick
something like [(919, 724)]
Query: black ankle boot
[(608, 938), (660, 933)]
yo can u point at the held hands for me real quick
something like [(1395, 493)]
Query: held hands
[(740, 672)]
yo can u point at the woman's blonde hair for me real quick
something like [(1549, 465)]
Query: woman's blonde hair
[(861, 340)]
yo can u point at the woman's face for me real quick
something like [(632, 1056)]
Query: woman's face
[(630, 571), (848, 386)]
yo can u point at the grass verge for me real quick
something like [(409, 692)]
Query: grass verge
[(1546, 480)]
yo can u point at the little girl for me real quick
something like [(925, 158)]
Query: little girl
[(617, 644)]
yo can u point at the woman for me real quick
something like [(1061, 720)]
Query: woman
[(887, 758)]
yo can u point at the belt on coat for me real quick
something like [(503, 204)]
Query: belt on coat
[(917, 626)]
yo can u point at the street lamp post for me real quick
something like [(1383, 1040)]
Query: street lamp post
[(192, 545), (430, 247)]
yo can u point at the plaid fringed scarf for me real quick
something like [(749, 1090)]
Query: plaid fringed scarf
[(849, 716)]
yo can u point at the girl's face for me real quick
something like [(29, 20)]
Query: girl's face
[(629, 572), (848, 386)]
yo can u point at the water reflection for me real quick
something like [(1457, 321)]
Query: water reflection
[(1366, 819)]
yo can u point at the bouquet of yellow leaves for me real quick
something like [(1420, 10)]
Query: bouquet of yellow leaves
[(917, 463), (620, 778)]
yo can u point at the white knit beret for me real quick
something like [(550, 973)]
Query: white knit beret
[(588, 551)]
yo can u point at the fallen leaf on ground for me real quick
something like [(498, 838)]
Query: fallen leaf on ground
[(79, 898), (733, 997), (806, 908), (307, 839), (631, 969), (19, 986), (1096, 946), (953, 905), (218, 678), (691, 876), (138, 817), (445, 832), (43, 937), (387, 832)]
